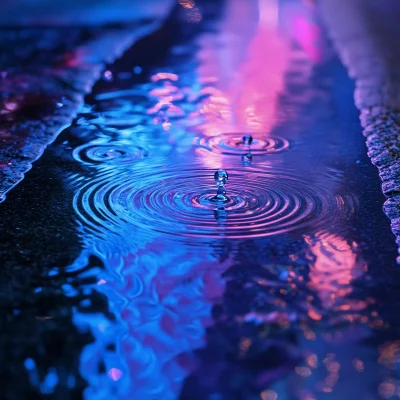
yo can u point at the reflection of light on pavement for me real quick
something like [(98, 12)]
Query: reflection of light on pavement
[(268, 13), (301, 19), (115, 374), (247, 64), (336, 265), (187, 3), (269, 395), (162, 305), (387, 389), (164, 75), (389, 354), (263, 80)]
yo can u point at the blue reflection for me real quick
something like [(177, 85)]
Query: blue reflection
[(210, 300)]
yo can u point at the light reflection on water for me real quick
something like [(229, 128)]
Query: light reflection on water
[(202, 306), (337, 264)]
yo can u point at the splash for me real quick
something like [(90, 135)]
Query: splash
[(232, 144)]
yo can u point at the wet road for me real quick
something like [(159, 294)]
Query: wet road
[(285, 290)]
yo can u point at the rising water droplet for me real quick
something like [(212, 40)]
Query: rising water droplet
[(247, 139), (221, 177)]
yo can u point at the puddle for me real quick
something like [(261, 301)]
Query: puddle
[(272, 293)]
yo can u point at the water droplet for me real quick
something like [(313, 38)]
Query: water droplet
[(108, 76), (246, 158), (221, 177), (247, 139)]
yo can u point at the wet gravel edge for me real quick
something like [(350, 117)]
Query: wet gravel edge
[(364, 35), (45, 74)]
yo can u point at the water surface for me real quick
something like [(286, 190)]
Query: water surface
[(280, 292)]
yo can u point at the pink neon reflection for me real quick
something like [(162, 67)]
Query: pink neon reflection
[(245, 73), (335, 267)]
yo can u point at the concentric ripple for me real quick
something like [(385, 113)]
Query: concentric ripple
[(108, 153), (232, 144), (179, 202)]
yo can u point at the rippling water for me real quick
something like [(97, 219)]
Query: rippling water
[(178, 201), (232, 144), (257, 297)]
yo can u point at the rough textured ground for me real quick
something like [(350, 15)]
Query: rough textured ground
[(44, 75), (365, 33)]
